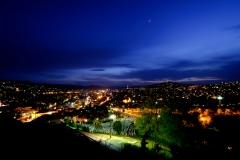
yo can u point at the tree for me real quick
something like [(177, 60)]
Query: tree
[(98, 123), (117, 126), (67, 120), (144, 142), (86, 129), (75, 125), (144, 124), (172, 129), (164, 127)]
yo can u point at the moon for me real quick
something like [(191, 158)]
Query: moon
[(149, 20)]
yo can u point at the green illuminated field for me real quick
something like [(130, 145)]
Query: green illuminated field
[(124, 139)]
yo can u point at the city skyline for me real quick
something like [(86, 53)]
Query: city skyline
[(120, 43)]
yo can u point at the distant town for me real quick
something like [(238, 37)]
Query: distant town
[(28, 101)]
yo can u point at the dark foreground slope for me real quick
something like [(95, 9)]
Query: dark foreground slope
[(28, 141), (45, 141)]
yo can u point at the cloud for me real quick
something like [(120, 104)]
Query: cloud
[(45, 61), (198, 79), (138, 81), (235, 27), (56, 76), (220, 68), (124, 65), (97, 69)]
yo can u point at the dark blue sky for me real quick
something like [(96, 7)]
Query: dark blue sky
[(120, 42)]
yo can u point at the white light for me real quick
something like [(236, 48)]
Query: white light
[(219, 97), (112, 116), (49, 112)]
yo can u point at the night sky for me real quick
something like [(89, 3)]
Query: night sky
[(118, 42)]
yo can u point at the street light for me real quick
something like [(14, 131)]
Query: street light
[(111, 119), (219, 98)]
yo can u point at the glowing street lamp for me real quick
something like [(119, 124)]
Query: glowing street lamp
[(112, 116), (219, 99)]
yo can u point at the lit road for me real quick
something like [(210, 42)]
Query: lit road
[(103, 143), (129, 114)]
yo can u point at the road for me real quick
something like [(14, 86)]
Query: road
[(102, 142), (128, 114)]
